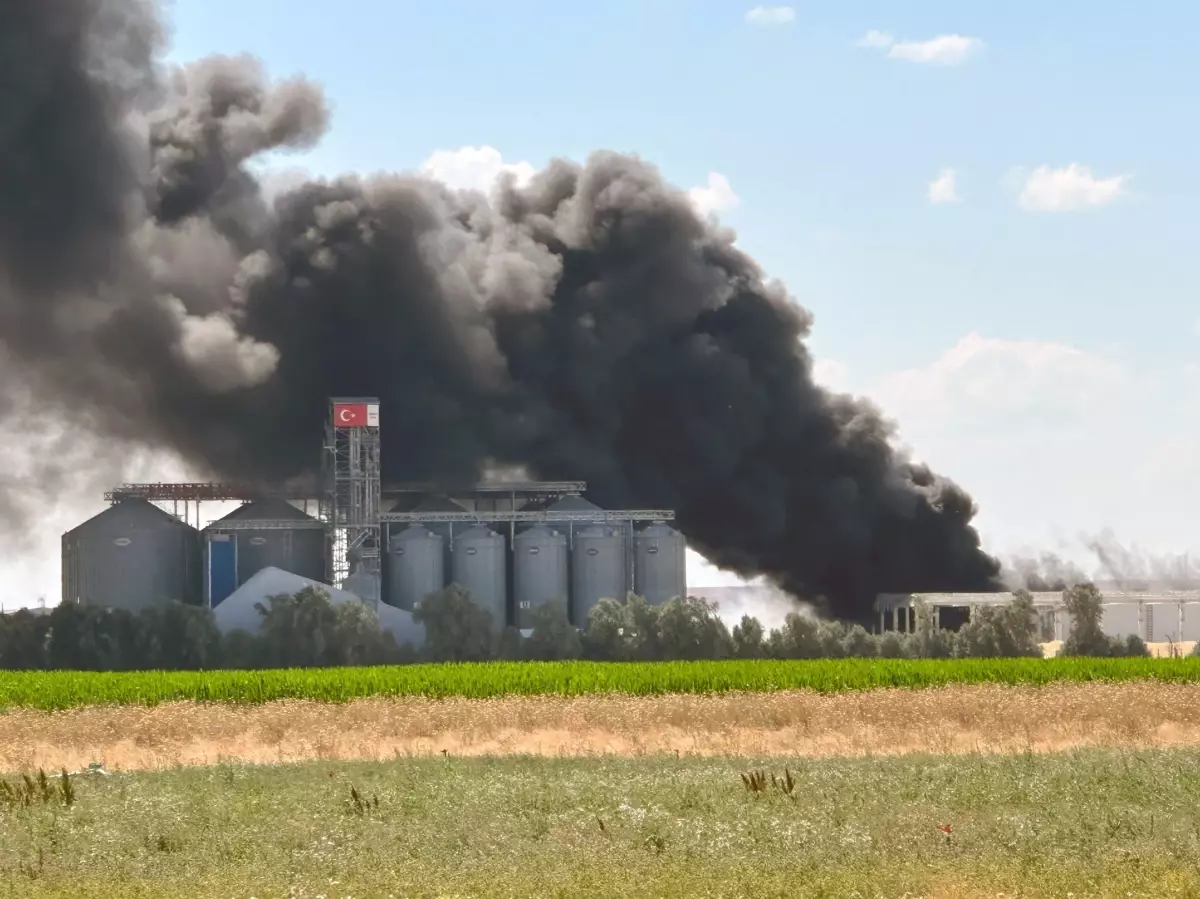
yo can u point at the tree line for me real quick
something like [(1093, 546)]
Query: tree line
[(307, 630)]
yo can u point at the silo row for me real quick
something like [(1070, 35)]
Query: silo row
[(544, 568), (134, 554)]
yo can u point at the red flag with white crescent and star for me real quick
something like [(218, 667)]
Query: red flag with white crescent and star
[(355, 415)]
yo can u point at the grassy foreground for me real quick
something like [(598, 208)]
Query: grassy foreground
[(1091, 823), (52, 690)]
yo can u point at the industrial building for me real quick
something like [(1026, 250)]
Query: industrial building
[(513, 545), (517, 545), (1156, 617)]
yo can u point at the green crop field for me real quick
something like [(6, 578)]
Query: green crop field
[(70, 689), (1088, 824)]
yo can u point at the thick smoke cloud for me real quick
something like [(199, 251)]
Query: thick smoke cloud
[(586, 325)]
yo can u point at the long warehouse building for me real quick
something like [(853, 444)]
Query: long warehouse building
[(1157, 616)]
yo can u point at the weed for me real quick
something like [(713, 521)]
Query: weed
[(40, 790), (359, 805), (756, 783)]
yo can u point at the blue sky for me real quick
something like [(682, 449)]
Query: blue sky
[(821, 140), (1046, 359)]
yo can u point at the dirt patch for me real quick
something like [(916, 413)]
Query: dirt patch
[(945, 720)]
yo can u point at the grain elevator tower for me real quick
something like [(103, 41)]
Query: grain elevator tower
[(350, 500)]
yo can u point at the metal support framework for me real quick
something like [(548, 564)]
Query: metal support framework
[(597, 515), (350, 502), (207, 492), (265, 524), (191, 495), (557, 488)]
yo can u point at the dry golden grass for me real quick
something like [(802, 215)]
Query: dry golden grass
[(946, 720), (1158, 650)]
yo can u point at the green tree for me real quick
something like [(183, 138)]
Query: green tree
[(894, 645), (177, 636), (23, 636), (689, 628), (1001, 631), (299, 630), (831, 637), (642, 629), (623, 631), (553, 636), (748, 639), (798, 638), (359, 638), (1132, 646), (928, 640), (457, 629), (859, 644), (1085, 604), (1020, 620), (608, 635), (85, 637)]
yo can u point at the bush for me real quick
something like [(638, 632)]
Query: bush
[(23, 638), (457, 629)]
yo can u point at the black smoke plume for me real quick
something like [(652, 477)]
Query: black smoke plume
[(587, 325)]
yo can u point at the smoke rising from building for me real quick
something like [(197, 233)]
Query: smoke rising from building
[(587, 324)]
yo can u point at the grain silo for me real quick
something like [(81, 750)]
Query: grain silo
[(131, 555), (435, 503), (417, 566), (539, 572), (598, 569), (480, 568), (236, 554), (660, 564)]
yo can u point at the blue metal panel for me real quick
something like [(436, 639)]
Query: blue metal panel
[(222, 567)]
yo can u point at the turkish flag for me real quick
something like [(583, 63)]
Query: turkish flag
[(349, 415)]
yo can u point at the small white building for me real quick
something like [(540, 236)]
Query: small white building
[(1156, 617)]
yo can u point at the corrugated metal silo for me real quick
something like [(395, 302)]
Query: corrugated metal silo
[(131, 555), (597, 569), (539, 572), (300, 550), (574, 504), (435, 503), (480, 568), (660, 565), (418, 566)]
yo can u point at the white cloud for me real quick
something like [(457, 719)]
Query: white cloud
[(473, 168), (1008, 384), (1069, 189), (944, 188), (1055, 441), (875, 40), (943, 50), (771, 15), (716, 196)]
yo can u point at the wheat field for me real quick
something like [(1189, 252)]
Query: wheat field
[(944, 720)]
